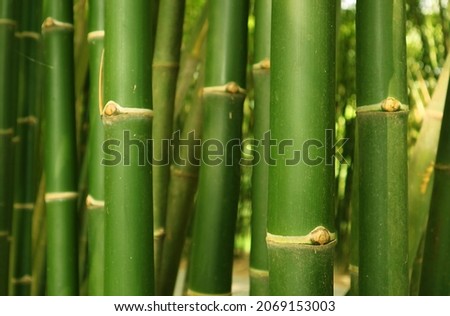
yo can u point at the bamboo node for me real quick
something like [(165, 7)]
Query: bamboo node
[(28, 34), (159, 233), (353, 269), (100, 34), (231, 87), (53, 24), (4, 233), (182, 174), (262, 65), (92, 203), (9, 22), (114, 109), (442, 167), (391, 105), (190, 292), (26, 279), (60, 196), (318, 236), (7, 131), (24, 206), (258, 273), (30, 120)]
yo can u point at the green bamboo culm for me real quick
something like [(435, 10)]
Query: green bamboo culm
[(217, 201), (27, 142), (166, 60), (60, 149), (259, 269), (300, 223), (435, 278), (8, 26), (127, 118), (95, 201), (382, 117), (182, 191)]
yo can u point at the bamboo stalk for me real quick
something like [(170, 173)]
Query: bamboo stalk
[(165, 73), (217, 201), (128, 179), (8, 25), (435, 278), (259, 269), (190, 59), (382, 126), (421, 175), (60, 151), (26, 150), (95, 201), (300, 223), (182, 189)]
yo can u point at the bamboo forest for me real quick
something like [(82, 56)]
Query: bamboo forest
[(224, 147)]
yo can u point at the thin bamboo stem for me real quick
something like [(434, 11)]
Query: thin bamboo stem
[(95, 201), (8, 26), (165, 73), (26, 150), (259, 269), (182, 189)]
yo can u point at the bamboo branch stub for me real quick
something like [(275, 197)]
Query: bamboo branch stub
[(51, 24), (92, 203), (113, 109), (318, 236), (159, 234), (231, 87), (262, 65), (388, 105)]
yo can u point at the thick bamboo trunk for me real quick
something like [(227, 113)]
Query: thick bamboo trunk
[(95, 201), (214, 224), (8, 26), (60, 149), (382, 126), (27, 141), (259, 270), (127, 120), (300, 228), (166, 61)]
